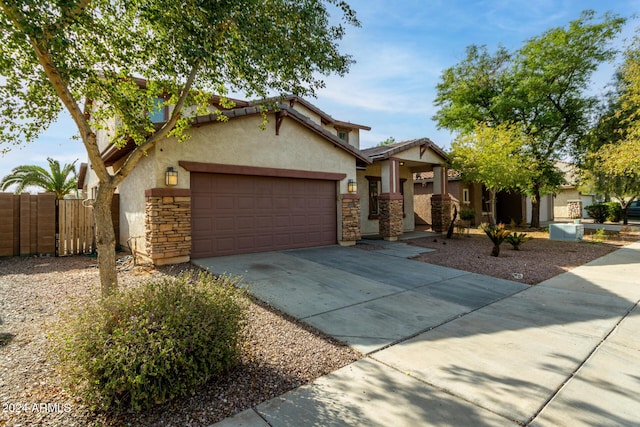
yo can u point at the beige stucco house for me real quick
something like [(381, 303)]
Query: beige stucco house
[(301, 181)]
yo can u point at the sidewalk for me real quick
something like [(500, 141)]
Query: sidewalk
[(564, 352)]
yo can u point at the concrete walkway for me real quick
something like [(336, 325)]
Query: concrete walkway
[(565, 352)]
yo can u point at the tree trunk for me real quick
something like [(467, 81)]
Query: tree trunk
[(492, 207), (625, 219), (535, 207), (496, 250), (105, 239)]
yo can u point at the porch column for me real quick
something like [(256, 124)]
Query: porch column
[(168, 225), (351, 231), (391, 200), (440, 200)]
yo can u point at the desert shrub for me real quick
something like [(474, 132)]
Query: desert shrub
[(152, 343), (598, 211), (516, 239), (497, 234), (467, 214), (614, 211)]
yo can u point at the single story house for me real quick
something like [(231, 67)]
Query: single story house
[(508, 206), (236, 187)]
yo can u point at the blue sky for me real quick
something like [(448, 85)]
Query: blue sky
[(400, 52)]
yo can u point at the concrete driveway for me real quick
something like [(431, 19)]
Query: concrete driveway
[(368, 299), (446, 347)]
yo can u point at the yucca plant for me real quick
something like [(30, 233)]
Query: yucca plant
[(516, 239), (497, 234)]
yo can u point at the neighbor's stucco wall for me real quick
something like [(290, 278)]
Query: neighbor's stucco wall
[(546, 208), (560, 208)]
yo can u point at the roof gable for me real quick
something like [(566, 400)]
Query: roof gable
[(384, 152), (112, 154)]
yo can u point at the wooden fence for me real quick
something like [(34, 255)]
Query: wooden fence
[(76, 228), (34, 225)]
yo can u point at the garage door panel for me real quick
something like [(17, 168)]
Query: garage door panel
[(241, 214)]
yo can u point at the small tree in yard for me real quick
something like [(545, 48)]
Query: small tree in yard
[(492, 156), (83, 55)]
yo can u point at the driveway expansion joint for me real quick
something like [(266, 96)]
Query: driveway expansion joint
[(582, 363)]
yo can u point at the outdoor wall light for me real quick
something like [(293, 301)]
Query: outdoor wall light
[(352, 186), (171, 177)]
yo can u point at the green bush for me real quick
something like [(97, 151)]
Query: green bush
[(614, 211), (598, 211), (601, 212), (467, 214), (152, 343)]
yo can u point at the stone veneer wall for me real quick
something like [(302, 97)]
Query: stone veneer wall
[(440, 212), (574, 209), (168, 225), (351, 218), (391, 218)]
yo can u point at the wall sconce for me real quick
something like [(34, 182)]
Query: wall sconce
[(171, 177), (401, 163), (352, 186)]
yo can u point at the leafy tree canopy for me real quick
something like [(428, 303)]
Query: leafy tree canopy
[(540, 88), (85, 56)]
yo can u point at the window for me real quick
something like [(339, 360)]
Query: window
[(375, 183), (343, 135), (465, 195), (159, 113)]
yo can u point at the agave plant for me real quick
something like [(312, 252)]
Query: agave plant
[(497, 234), (61, 181)]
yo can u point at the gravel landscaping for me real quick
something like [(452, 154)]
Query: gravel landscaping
[(279, 354), (537, 260)]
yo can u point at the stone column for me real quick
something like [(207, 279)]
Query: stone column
[(574, 209), (168, 225), (390, 220), (440, 212), (350, 219)]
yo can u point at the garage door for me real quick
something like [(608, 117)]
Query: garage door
[(234, 214)]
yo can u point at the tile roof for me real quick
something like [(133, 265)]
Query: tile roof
[(113, 154), (383, 152)]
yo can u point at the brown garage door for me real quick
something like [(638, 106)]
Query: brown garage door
[(233, 214)]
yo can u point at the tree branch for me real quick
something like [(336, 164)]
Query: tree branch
[(61, 87), (140, 151)]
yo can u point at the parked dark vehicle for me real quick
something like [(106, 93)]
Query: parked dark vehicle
[(633, 211)]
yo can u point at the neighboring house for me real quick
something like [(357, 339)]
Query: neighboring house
[(508, 205), (301, 182), (463, 194), (570, 202)]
